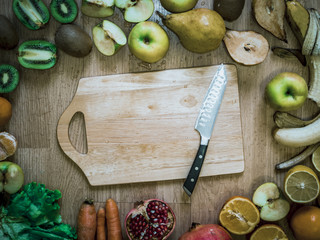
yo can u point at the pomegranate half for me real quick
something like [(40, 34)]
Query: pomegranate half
[(152, 219), (206, 232)]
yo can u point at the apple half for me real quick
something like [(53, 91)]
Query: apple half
[(135, 10), (11, 177), (271, 203), (97, 8), (108, 38)]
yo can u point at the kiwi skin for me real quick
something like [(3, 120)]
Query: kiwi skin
[(9, 38), (73, 40)]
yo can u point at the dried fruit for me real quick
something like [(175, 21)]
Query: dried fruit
[(206, 232), (246, 47), (32, 13), (8, 145), (9, 37), (64, 11), (153, 219), (9, 78), (37, 54)]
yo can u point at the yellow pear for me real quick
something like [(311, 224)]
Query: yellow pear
[(199, 30)]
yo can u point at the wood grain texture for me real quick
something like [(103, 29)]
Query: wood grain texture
[(42, 97), (146, 121)]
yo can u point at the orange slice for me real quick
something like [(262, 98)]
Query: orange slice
[(301, 184), (316, 159), (239, 215), (269, 232)]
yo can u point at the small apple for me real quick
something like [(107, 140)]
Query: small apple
[(11, 177), (97, 8), (286, 92), (148, 41), (177, 6), (271, 203), (135, 10), (108, 38)]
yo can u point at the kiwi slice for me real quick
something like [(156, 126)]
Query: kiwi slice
[(64, 11), (32, 13), (37, 54), (9, 78)]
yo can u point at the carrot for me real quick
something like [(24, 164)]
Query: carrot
[(101, 224), (87, 221), (113, 220)]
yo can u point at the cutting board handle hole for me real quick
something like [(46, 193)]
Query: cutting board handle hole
[(77, 133)]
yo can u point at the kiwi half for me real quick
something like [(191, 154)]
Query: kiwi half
[(32, 13), (37, 54), (64, 11), (9, 78)]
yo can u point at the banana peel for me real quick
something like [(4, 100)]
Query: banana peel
[(305, 24)]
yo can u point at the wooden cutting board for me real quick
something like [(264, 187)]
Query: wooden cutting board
[(140, 126)]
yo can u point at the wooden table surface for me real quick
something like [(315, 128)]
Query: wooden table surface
[(42, 96)]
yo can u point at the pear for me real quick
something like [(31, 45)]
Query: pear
[(200, 30), (177, 6)]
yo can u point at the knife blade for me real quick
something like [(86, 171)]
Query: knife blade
[(205, 123)]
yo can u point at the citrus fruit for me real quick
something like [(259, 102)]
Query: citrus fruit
[(269, 232), (316, 159), (5, 111), (301, 184), (305, 223), (239, 215)]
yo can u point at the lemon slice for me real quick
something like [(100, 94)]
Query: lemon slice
[(239, 215), (316, 159), (269, 232), (301, 184)]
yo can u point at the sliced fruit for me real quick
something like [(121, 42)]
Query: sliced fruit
[(64, 11), (108, 38), (9, 78), (316, 159), (269, 232), (288, 53), (8, 145), (9, 37), (32, 13), (73, 40), (239, 215), (97, 8), (270, 16), (272, 205), (301, 184), (136, 10), (246, 47), (37, 54)]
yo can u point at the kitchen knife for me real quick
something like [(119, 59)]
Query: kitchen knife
[(204, 124)]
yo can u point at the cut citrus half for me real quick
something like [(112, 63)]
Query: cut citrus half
[(269, 232), (239, 215), (301, 184), (316, 159)]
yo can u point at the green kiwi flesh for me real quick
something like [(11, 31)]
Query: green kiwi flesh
[(64, 11), (9, 78), (32, 13), (97, 8), (9, 37), (37, 54)]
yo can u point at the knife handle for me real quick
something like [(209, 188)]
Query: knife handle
[(194, 172)]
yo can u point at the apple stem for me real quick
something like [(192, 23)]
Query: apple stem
[(162, 16)]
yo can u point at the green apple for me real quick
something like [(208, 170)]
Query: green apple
[(270, 201), (108, 38), (135, 10), (97, 8), (287, 91), (177, 6), (11, 177), (148, 41)]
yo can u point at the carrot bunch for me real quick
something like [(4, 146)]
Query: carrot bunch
[(101, 225)]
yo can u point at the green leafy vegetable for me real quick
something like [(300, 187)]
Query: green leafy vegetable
[(34, 214)]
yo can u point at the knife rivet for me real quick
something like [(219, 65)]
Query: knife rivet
[(196, 168), (192, 180), (200, 156)]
